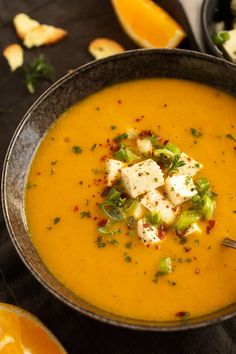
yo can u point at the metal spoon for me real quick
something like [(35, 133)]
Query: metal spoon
[(229, 242)]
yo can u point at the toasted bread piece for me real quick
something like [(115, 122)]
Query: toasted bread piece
[(43, 35), (23, 24), (104, 47), (14, 55)]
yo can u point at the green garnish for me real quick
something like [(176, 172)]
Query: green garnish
[(207, 207), (113, 241), (220, 37), (105, 230), (230, 136), (77, 149), (175, 164), (154, 140), (130, 221), (36, 71), (113, 212), (94, 147), (127, 258), (204, 201), (153, 218), (126, 154), (85, 214), (165, 266), (196, 242), (187, 180), (173, 148), (164, 154), (56, 220), (113, 127), (172, 282), (196, 132), (99, 242), (128, 244), (202, 185), (186, 219), (183, 240), (121, 137)]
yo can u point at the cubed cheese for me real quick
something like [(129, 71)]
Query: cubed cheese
[(132, 134), (144, 146), (194, 228), (191, 167), (230, 45), (142, 177), (155, 201), (147, 233), (113, 168), (180, 188)]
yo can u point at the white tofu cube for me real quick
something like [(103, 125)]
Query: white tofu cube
[(144, 146), (132, 134), (147, 233), (113, 168), (155, 201), (230, 45), (142, 177), (180, 188), (191, 167), (194, 228)]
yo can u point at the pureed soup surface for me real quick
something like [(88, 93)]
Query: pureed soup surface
[(64, 187)]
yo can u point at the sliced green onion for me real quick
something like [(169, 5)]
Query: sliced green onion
[(130, 207), (220, 37), (173, 148), (153, 218), (186, 219), (121, 136), (105, 230), (126, 154), (202, 185), (164, 153), (165, 266), (208, 207)]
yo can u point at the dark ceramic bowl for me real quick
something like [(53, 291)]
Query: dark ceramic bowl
[(72, 88), (214, 11)]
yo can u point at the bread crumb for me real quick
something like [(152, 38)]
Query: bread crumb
[(15, 55), (43, 35), (104, 47), (23, 24)]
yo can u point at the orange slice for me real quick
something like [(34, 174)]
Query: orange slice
[(148, 24), (22, 333)]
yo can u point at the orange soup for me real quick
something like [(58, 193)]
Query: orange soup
[(88, 219)]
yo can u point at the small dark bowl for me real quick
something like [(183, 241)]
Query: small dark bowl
[(214, 11), (72, 88)]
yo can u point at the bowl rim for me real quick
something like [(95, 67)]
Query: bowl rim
[(177, 325)]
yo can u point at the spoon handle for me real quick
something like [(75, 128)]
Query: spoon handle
[(229, 243)]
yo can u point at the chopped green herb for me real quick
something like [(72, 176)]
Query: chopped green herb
[(196, 242), (113, 241), (56, 220), (132, 233), (54, 162), (100, 242), (130, 221), (129, 244), (97, 171), (187, 180), (172, 282), (77, 149), (196, 132), (127, 258), (230, 136), (153, 218), (183, 240), (105, 230), (85, 214), (121, 137), (175, 164), (113, 127), (36, 71), (30, 185), (113, 212), (94, 147), (154, 140), (220, 37), (165, 266)]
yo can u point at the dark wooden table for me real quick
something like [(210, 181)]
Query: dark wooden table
[(84, 20)]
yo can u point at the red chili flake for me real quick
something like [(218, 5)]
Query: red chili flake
[(102, 222), (197, 271), (114, 147), (95, 218), (182, 314), (105, 191), (235, 148), (146, 133), (146, 225), (66, 140), (195, 258), (165, 142), (39, 173), (108, 140), (161, 234), (147, 245), (158, 247), (76, 208), (119, 101), (103, 158), (187, 249), (210, 226)]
